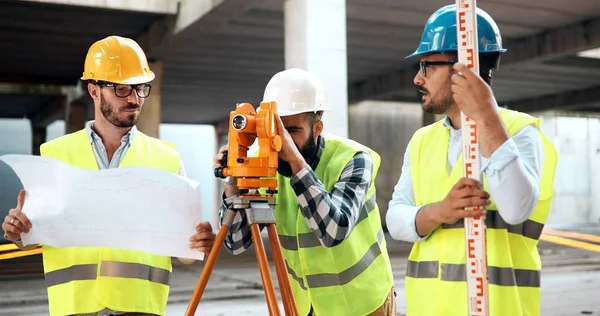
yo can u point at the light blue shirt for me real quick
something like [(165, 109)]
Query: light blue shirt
[(513, 174), (102, 156)]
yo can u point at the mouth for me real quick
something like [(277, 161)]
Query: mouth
[(131, 109)]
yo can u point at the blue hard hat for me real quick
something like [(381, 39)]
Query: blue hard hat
[(439, 35)]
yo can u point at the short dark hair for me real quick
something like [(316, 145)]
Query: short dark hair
[(313, 117)]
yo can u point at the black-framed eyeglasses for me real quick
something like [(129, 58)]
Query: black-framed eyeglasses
[(424, 64), (124, 90)]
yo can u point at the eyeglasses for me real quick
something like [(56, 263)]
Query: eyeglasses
[(424, 64), (124, 90)]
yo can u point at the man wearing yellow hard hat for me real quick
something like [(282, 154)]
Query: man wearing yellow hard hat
[(104, 281)]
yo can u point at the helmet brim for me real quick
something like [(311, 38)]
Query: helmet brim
[(290, 113), (417, 53), (133, 80)]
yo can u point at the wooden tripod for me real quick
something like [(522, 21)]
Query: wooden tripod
[(259, 211)]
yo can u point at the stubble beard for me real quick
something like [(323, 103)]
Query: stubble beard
[(113, 116), (440, 102)]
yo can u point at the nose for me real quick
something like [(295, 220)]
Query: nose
[(419, 80), (133, 97)]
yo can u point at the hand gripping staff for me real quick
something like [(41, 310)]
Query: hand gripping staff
[(475, 229), (251, 174)]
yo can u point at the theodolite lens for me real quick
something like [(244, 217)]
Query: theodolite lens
[(239, 122)]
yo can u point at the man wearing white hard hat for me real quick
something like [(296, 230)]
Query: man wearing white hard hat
[(327, 217)]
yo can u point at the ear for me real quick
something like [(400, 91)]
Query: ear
[(94, 91), (318, 128)]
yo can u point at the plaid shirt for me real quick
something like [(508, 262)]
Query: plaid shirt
[(331, 215)]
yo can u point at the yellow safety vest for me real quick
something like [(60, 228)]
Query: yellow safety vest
[(88, 279), (435, 277), (351, 278)]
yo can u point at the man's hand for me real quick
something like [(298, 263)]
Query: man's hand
[(472, 95), (16, 222), (230, 189), (465, 193), (204, 239), (289, 152)]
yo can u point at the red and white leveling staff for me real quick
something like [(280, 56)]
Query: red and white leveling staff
[(468, 54)]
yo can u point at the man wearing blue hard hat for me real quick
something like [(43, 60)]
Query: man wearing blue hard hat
[(428, 204)]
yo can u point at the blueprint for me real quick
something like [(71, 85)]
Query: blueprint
[(134, 208)]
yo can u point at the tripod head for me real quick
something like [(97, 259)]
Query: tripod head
[(245, 126)]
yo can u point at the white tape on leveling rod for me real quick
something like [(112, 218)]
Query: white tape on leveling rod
[(476, 254)]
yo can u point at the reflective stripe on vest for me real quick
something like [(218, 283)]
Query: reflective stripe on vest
[(333, 279), (109, 269), (295, 276), (530, 229), (307, 240), (457, 273)]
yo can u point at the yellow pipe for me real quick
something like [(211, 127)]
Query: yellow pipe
[(586, 237), (8, 247), (570, 242), (23, 253)]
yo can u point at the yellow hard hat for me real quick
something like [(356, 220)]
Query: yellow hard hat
[(117, 59)]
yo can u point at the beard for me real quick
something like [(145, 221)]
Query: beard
[(308, 152), (440, 102), (113, 116)]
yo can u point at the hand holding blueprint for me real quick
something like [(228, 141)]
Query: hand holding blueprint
[(134, 208)]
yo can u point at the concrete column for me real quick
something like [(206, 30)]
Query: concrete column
[(149, 121), (39, 137), (594, 169), (428, 118), (315, 40), (76, 116)]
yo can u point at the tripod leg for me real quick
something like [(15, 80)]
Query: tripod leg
[(265, 273), (210, 263), (289, 303)]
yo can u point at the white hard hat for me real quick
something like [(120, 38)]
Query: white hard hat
[(296, 91)]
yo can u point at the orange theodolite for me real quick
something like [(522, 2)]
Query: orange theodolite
[(245, 126), (253, 173)]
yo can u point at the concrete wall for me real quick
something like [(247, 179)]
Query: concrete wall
[(577, 180), (15, 138), (197, 146), (386, 127)]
